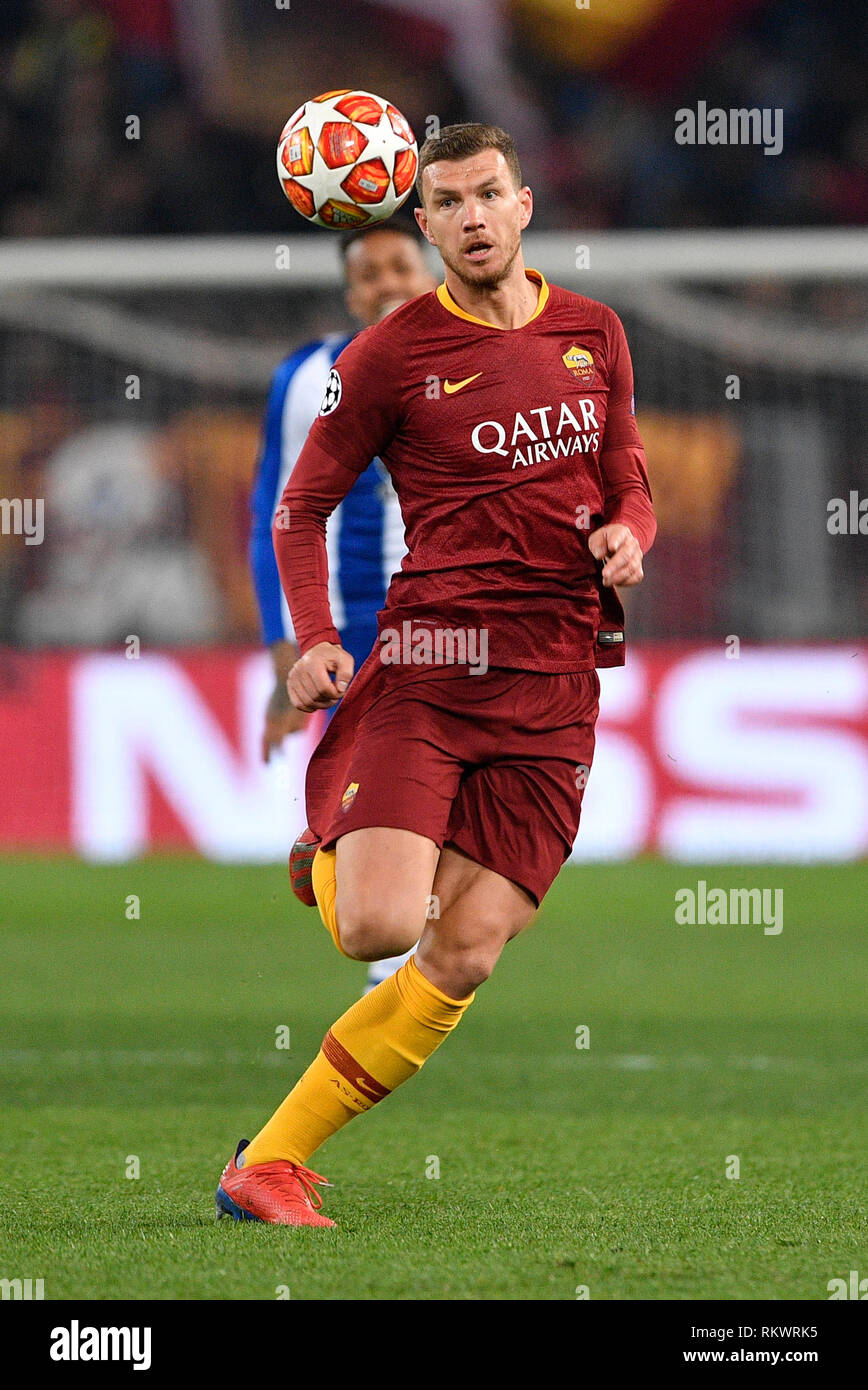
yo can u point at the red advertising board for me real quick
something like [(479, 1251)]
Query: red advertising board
[(702, 754)]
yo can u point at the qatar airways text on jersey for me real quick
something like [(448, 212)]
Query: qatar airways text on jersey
[(527, 444)]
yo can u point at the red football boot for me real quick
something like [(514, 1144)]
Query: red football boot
[(280, 1193), (301, 858)]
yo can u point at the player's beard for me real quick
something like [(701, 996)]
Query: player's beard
[(493, 279)]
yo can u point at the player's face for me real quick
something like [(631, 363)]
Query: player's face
[(384, 270), (474, 214)]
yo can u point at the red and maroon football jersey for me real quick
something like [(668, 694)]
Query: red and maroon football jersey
[(507, 448)]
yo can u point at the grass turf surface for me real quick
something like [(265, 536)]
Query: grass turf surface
[(559, 1167)]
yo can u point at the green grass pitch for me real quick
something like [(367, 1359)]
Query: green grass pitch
[(559, 1167)]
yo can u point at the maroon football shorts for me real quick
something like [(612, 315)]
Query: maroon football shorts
[(493, 764)]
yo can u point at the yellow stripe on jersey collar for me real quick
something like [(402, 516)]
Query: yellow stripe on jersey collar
[(449, 303)]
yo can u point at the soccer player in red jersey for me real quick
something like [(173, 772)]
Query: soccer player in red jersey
[(447, 790)]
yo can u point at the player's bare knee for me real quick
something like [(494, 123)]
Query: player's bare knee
[(461, 967), (463, 951), (374, 931), (474, 967)]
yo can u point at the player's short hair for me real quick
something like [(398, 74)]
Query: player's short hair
[(401, 225), (459, 141)]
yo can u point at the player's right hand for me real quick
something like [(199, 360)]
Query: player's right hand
[(310, 683)]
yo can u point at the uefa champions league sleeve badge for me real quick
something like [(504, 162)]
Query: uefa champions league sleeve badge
[(332, 398)]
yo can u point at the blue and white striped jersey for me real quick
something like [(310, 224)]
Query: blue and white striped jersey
[(364, 535)]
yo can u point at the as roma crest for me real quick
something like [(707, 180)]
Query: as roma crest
[(580, 363), (349, 796)]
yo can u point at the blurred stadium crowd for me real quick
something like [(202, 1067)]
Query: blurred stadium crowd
[(589, 93)]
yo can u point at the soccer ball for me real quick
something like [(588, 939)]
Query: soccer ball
[(346, 159)]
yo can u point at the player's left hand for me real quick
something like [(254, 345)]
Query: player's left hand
[(620, 552)]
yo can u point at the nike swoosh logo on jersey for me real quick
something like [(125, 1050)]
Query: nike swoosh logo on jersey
[(450, 387)]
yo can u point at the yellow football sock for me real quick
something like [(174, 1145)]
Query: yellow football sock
[(378, 1043), (325, 888)]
